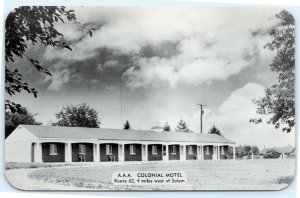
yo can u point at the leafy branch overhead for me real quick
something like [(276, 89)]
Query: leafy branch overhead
[(279, 99), (32, 25)]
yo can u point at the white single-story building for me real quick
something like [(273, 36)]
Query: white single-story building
[(37, 144), (282, 152)]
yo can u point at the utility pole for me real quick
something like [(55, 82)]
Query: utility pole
[(121, 100), (201, 113)]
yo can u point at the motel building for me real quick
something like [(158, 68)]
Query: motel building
[(45, 144)]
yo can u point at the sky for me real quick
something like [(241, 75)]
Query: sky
[(163, 61)]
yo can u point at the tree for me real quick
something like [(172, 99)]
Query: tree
[(166, 128), (279, 99), (215, 130), (127, 125), (31, 25), (13, 120), (182, 126), (80, 115), (243, 150), (255, 150)]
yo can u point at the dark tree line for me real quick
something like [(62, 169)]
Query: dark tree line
[(13, 120)]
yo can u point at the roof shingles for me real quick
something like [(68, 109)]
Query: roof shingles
[(119, 134)]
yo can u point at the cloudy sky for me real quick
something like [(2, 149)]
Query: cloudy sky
[(165, 60)]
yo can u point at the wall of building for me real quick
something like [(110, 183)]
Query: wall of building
[(192, 156), (177, 155), (60, 157), (208, 156), (157, 157), (138, 153), (18, 146), (89, 152), (107, 158)]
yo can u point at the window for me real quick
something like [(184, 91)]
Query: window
[(207, 150), (222, 150), (132, 149), (154, 150), (108, 149), (82, 149), (190, 150), (53, 149), (173, 150), (164, 150)]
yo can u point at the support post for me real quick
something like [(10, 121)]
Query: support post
[(38, 153), (166, 158), (68, 152), (218, 153), (233, 152), (121, 152), (146, 150), (202, 152), (183, 152), (98, 152)]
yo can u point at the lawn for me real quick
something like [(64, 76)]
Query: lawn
[(259, 174)]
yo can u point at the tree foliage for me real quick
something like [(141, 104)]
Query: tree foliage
[(31, 25), (127, 125), (166, 128), (243, 150), (13, 120), (182, 127), (271, 154), (215, 130), (80, 115), (279, 99)]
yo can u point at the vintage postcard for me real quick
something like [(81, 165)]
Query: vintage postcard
[(149, 98)]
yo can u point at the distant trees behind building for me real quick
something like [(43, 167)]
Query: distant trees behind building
[(127, 125), (81, 115), (14, 119), (246, 150), (215, 130), (182, 127), (166, 127)]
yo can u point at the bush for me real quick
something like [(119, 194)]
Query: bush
[(271, 154)]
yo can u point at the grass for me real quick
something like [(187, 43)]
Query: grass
[(15, 165), (270, 174)]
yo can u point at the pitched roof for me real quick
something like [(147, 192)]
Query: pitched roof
[(120, 134), (286, 149)]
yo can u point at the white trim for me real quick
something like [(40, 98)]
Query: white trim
[(190, 150), (132, 149), (82, 149), (207, 150), (108, 149), (70, 140), (173, 149), (154, 148), (222, 150), (53, 149)]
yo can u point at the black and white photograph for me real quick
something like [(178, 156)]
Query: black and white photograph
[(149, 98)]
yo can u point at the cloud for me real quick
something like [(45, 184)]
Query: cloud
[(211, 43), (60, 77), (109, 63), (233, 115)]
